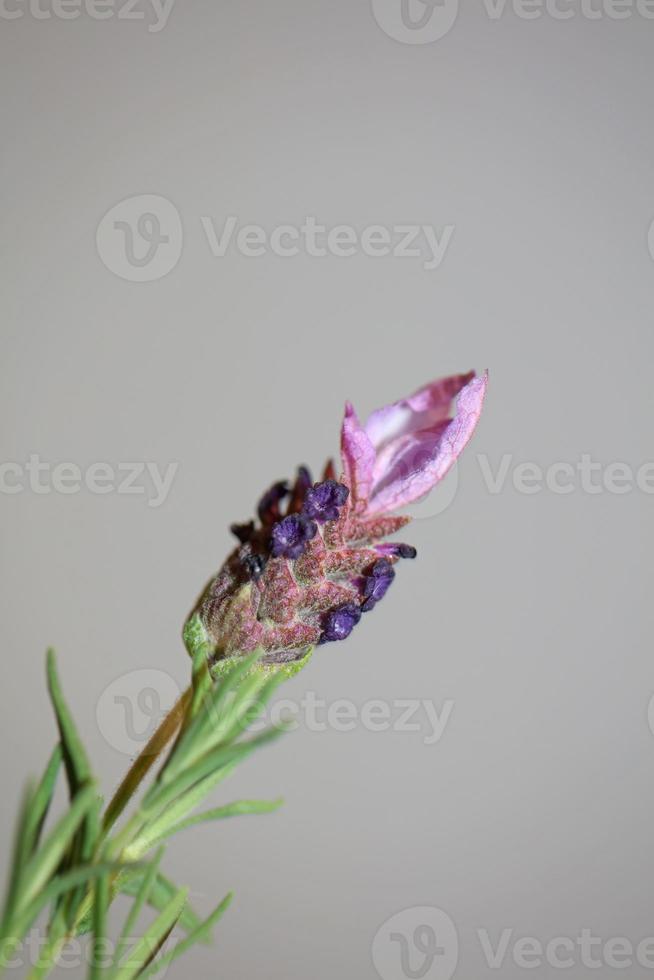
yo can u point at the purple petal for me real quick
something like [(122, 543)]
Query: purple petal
[(324, 500), (339, 623), (415, 459), (290, 536), (421, 410), (358, 456)]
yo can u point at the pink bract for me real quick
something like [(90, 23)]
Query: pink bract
[(405, 448)]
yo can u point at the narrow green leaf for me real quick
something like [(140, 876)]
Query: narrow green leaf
[(78, 771), (100, 912), (152, 939), (161, 796), (64, 883), (199, 934), (160, 894), (77, 764), (175, 812), (202, 682), (141, 897), (192, 742), (41, 865), (238, 808), (42, 798), (20, 855), (252, 706), (48, 954)]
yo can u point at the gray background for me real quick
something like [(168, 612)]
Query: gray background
[(532, 612)]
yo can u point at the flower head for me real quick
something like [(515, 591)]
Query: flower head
[(317, 558)]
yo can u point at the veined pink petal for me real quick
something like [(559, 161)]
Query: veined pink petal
[(421, 410), (417, 457), (358, 456)]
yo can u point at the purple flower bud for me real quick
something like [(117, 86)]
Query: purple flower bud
[(396, 550), (338, 624), (302, 483), (377, 583), (290, 537), (268, 509), (324, 500)]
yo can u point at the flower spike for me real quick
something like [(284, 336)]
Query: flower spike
[(318, 558)]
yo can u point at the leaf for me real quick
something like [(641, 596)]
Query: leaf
[(162, 796), (197, 935), (77, 764), (175, 812), (142, 895), (160, 894), (40, 803), (20, 856), (100, 912), (202, 682), (65, 882), (45, 861), (239, 808), (78, 770), (152, 939), (193, 741)]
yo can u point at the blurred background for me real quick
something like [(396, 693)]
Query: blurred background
[(221, 220)]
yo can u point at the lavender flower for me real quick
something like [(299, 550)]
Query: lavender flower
[(305, 575)]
